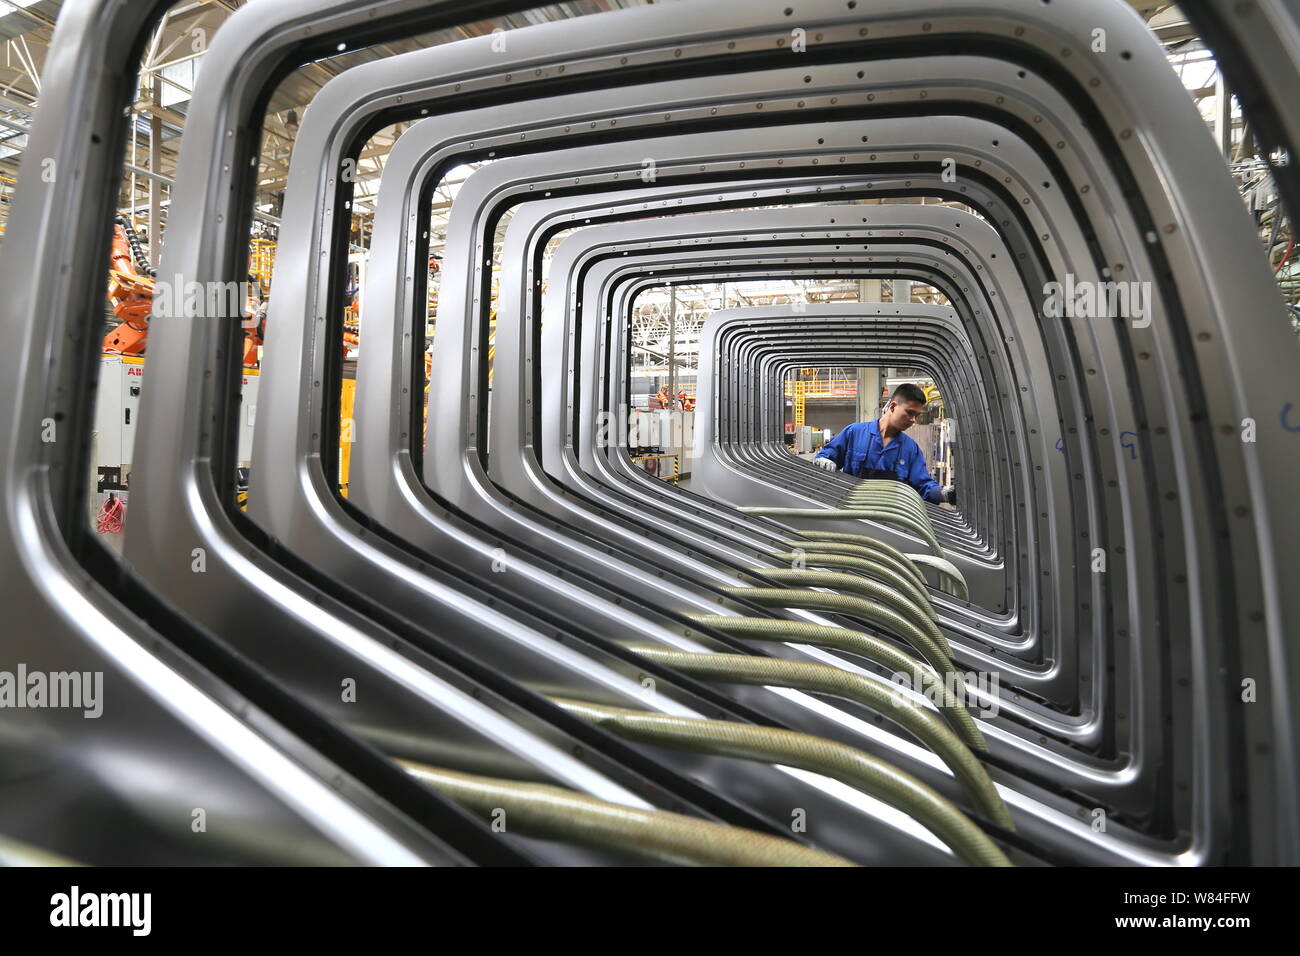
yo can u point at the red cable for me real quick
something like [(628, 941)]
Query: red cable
[(111, 515), (1286, 255)]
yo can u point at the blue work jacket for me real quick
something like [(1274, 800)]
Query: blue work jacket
[(857, 451)]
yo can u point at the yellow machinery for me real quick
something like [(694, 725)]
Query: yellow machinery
[(347, 425), (809, 385), (674, 460), (261, 260)]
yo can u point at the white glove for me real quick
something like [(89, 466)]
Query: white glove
[(948, 495), (827, 463)]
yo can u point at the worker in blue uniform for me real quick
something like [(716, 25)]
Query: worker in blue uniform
[(879, 449)]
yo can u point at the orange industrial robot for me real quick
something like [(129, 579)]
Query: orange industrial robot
[(130, 290), (662, 400)]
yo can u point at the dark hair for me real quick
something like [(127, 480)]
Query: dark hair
[(907, 392)]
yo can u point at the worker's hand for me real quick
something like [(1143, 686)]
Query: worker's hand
[(827, 463), (948, 496)]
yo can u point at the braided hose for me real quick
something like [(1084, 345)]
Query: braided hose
[(789, 748), (900, 515), (17, 853), (865, 543), (854, 606), (555, 813), (887, 484), (947, 570), (888, 490), (863, 587), (893, 491), (837, 514), (890, 496), (878, 551), (898, 511), (863, 645), (883, 502), (876, 570), (842, 541), (885, 699)]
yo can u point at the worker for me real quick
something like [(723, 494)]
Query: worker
[(879, 449)]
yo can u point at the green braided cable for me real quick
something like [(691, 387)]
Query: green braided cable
[(885, 699), (852, 605), (947, 570), (899, 494), (924, 679), (805, 752), (866, 543), (17, 853), (840, 540), (872, 569), (555, 813), (837, 514), (884, 502), (891, 493), (898, 514), (863, 587), (892, 497), (888, 490)]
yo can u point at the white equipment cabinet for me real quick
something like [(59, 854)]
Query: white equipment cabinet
[(117, 406)]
